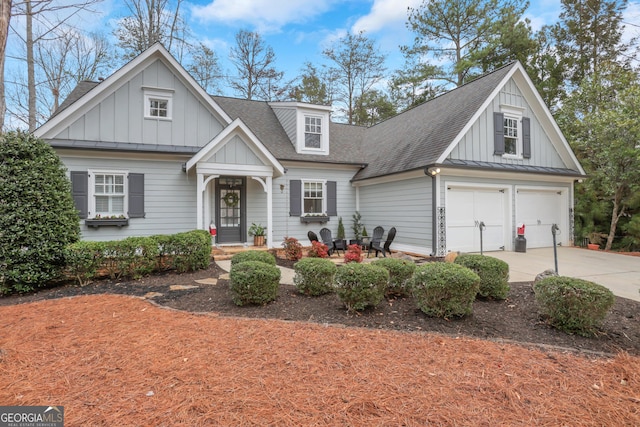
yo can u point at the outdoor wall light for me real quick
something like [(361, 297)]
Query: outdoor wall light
[(282, 188), (433, 171)]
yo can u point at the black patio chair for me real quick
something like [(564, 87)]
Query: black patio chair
[(376, 238), (384, 248), (325, 235), (313, 237)]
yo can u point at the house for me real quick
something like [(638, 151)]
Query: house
[(150, 149)]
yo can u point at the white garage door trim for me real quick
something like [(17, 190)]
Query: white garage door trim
[(499, 231), (539, 214)]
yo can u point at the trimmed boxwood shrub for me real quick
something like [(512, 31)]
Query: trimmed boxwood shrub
[(261, 256), (493, 272), (573, 305), (314, 276), (83, 260), (361, 285), (254, 282), (187, 251), (400, 273), (445, 290)]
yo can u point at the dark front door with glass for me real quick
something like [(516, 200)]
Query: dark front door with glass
[(230, 210)]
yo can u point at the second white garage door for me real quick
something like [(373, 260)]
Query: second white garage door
[(538, 209), (466, 208)]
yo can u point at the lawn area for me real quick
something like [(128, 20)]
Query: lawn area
[(119, 360)]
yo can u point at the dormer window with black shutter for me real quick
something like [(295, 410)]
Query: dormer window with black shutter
[(512, 133)]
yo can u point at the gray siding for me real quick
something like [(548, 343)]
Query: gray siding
[(235, 152), (170, 197), (119, 117), (288, 120), (405, 205), (477, 143), (290, 226)]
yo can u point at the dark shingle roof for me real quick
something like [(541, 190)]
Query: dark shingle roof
[(77, 93), (261, 119), (417, 137)]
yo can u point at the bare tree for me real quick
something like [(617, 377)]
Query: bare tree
[(358, 67), (254, 62), (152, 21), (5, 17), (205, 68), (49, 16)]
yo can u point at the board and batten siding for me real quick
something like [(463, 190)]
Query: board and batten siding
[(288, 119), (119, 117), (478, 143), (235, 152), (290, 226), (405, 205), (169, 196), (512, 185)]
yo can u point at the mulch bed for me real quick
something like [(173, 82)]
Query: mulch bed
[(119, 360)]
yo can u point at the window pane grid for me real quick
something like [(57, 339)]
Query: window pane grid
[(510, 135), (313, 197), (312, 132), (158, 107), (109, 194)]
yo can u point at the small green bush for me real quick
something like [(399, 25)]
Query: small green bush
[(493, 272), (573, 305), (254, 282), (187, 251), (261, 256), (445, 290), (83, 260), (361, 285), (400, 273), (314, 276)]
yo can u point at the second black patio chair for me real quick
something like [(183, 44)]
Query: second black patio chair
[(376, 238), (313, 237), (384, 248)]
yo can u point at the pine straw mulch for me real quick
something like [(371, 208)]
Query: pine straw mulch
[(119, 360)]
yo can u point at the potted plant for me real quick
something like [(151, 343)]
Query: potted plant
[(595, 239), (357, 227), (365, 236), (257, 231), (340, 242)]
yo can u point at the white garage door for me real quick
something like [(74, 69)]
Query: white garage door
[(538, 210), (466, 208)]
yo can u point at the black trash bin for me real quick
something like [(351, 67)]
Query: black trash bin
[(521, 244)]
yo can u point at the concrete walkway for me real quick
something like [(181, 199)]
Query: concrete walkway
[(619, 273)]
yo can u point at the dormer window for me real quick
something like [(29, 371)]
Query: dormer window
[(158, 104), (511, 136), (312, 132)]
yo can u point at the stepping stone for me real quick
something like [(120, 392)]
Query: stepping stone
[(209, 281), (224, 276), (150, 295), (181, 287)]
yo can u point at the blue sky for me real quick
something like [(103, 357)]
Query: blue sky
[(299, 30)]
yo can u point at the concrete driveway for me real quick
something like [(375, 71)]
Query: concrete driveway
[(620, 273)]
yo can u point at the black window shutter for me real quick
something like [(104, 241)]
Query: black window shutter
[(332, 199), (498, 134), (295, 197), (136, 195), (526, 137), (80, 192)]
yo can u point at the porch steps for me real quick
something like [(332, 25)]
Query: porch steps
[(221, 253)]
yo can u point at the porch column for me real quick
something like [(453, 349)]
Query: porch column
[(269, 212), (199, 202)]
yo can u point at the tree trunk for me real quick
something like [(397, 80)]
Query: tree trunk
[(5, 17), (31, 73), (615, 216)]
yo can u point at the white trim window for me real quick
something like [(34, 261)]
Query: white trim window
[(108, 194), (158, 105), (512, 136), (313, 197), (313, 132)]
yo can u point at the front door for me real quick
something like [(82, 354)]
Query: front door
[(230, 210)]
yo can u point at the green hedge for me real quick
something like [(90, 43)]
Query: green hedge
[(493, 272), (573, 305), (254, 282), (261, 256), (314, 276), (138, 256), (400, 274), (361, 285), (445, 290)]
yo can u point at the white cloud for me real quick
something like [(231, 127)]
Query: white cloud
[(631, 19), (264, 15), (385, 13)]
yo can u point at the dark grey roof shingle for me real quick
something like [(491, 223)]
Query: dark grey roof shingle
[(77, 93)]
